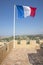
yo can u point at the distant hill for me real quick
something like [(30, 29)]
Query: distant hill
[(37, 36), (6, 38)]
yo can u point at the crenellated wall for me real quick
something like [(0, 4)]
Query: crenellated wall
[(23, 44), (5, 47)]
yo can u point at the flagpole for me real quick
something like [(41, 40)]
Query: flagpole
[(14, 26)]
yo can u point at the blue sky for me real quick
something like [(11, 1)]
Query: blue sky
[(28, 25), (6, 18)]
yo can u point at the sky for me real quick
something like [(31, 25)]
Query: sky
[(6, 18), (29, 25)]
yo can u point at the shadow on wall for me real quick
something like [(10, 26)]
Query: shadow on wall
[(36, 58)]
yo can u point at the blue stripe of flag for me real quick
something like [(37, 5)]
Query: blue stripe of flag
[(20, 11)]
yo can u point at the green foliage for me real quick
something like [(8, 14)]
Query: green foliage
[(37, 41), (41, 45), (28, 42), (18, 42)]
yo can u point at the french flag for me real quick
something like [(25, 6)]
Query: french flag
[(24, 11)]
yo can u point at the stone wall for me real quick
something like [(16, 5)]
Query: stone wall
[(23, 44), (5, 48)]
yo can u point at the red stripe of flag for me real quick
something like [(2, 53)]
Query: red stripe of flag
[(33, 11)]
